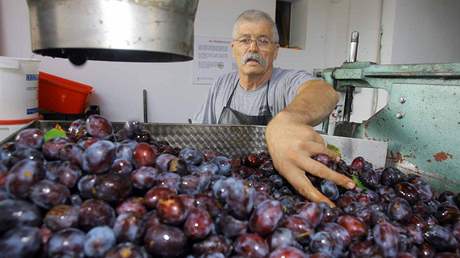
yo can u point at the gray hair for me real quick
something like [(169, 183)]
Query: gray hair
[(255, 16)]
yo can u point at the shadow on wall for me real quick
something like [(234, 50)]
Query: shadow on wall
[(1, 31)]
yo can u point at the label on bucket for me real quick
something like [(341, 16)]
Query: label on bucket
[(18, 91), (32, 106), (30, 111), (31, 77)]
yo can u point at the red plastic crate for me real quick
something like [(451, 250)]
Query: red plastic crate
[(61, 95)]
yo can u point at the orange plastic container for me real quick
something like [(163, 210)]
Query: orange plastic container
[(60, 95)]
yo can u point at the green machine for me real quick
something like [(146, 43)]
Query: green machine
[(421, 121)]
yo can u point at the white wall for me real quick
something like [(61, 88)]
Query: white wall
[(421, 31), (329, 26), (14, 28), (388, 27), (173, 98)]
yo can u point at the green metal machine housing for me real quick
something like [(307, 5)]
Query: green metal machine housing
[(421, 121)]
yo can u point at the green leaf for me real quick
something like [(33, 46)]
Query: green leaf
[(358, 182), (335, 149), (54, 133)]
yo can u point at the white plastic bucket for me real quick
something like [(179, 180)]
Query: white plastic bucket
[(18, 90)]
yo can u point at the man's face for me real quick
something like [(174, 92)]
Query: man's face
[(253, 48)]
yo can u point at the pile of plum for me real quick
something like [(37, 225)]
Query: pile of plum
[(100, 193)]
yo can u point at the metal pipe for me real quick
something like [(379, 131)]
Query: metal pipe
[(353, 47), (144, 105), (347, 108)]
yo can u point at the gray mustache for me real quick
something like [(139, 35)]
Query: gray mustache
[(254, 56)]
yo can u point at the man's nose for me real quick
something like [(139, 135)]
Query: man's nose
[(253, 47)]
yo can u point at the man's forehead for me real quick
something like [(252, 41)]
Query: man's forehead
[(256, 35), (259, 28)]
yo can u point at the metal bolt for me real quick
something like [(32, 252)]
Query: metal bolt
[(402, 100), (399, 115)]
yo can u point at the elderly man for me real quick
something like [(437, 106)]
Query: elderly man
[(290, 102)]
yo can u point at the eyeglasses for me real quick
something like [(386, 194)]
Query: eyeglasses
[(262, 42)]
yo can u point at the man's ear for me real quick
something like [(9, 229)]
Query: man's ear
[(233, 49), (275, 53)]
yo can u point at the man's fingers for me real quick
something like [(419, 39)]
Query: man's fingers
[(317, 138), (314, 195), (327, 151), (317, 169), (313, 148), (296, 177), (332, 154)]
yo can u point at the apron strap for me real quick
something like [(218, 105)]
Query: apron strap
[(266, 98), (229, 101)]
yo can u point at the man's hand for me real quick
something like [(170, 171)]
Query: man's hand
[(291, 145)]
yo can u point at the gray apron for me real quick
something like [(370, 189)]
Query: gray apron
[(231, 116)]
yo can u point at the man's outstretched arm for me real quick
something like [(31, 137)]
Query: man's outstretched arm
[(292, 141)]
